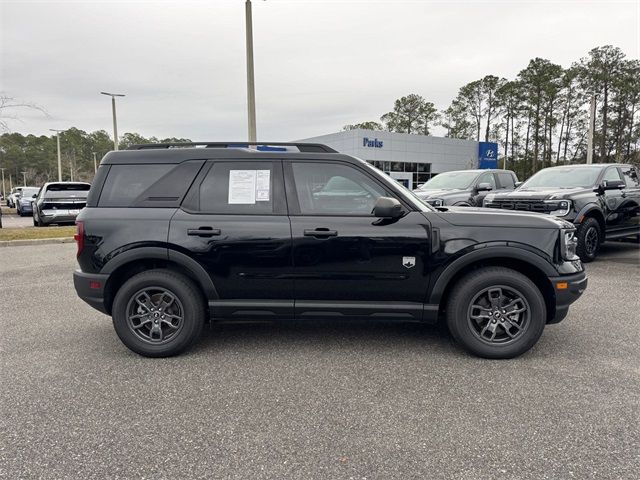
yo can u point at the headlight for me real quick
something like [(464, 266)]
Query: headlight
[(568, 245), (436, 202), (562, 207), (488, 199)]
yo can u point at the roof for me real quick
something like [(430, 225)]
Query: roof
[(584, 165), (165, 154)]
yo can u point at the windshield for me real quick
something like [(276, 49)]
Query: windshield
[(450, 180), (564, 177), (29, 192)]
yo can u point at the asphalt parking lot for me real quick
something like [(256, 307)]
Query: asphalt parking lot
[(326, 400)]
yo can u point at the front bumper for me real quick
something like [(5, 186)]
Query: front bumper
[(568, 289), (90, 288)]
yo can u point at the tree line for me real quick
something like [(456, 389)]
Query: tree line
[(541, 117), (37, 156)]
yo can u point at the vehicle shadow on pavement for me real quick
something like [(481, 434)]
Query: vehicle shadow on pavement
[(623, 251), (323, 334)]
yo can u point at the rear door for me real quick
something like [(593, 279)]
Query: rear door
[(348, 263), (234, 223)]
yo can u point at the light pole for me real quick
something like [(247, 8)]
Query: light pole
[(24, 178), (251, 92), (95, 163), (3, 192), (59, 157), (592, 126), (113, 110)]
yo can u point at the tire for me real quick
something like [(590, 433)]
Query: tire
[(589, 239), (137, 334), (36, 223), (477, 288)]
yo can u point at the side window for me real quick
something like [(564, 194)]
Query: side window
[(611, 174), (126, 182), (241, 188), (630, 175), (506, 180), (487, 178), (334, 189)]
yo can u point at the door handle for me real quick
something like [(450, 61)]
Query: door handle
[(321, 232), (203, 232)]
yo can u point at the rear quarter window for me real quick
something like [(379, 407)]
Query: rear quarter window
[(125, 183)]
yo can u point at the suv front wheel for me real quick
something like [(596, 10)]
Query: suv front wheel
[(496, 312), (158, 313)]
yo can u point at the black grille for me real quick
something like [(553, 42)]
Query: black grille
[(528, 206)]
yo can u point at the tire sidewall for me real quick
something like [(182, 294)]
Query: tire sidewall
[(187, 294), (467, 289), (585, 227)]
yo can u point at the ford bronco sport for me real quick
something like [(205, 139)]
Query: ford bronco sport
[(177, 235)]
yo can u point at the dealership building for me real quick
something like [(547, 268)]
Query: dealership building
[(411, 159)]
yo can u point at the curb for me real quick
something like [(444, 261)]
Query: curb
[(35, 241)]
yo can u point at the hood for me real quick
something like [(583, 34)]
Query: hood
[(538, 193), (489, 217), (439, 193)]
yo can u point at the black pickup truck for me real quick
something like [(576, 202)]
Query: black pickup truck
[(601, 200)]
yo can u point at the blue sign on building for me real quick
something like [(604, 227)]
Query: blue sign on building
[(487, 155), (372, 142)]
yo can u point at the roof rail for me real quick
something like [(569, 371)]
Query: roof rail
[(267, 146)]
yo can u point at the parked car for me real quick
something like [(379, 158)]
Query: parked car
[(601, 200), (174, 237), (13, 196), (59, 202), (465, 188), (25, 201)]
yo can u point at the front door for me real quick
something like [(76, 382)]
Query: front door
[(233, 222), (348, 263), (613, 200)]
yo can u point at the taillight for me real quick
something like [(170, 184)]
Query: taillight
[(79, 237)]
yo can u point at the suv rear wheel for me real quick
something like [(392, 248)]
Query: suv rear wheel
[(496, 313), (158, 313), (589, 239)]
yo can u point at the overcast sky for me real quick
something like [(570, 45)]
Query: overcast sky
[(319, 64)]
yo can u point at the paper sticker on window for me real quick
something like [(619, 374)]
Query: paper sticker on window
[(242, 187), (263, 185)]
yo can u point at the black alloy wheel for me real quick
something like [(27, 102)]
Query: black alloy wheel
[(499, 314), (155, 315)]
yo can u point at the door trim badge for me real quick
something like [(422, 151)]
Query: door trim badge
[(409, 262)]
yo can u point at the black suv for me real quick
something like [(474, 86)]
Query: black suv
[(174, 237), (602, 200), (465, 188)]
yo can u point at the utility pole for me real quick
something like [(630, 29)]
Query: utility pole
[(24, 178), (251, 92), (59, 156), (95, 163), (71, 159), (4, 196), (113, 111), (592, 126)]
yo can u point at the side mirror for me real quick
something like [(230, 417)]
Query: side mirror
[(517, 184), (484, 187), (612, 185), (34, 195), (387, 207)]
